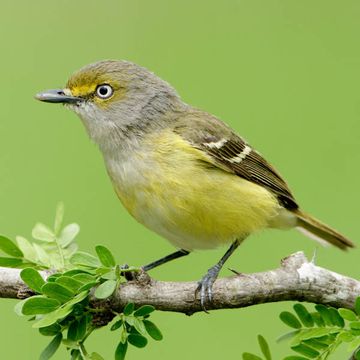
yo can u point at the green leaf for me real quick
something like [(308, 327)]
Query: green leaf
[(68, 234), (70, 250), (88, 286), (153, 330), (74, 272), (330, 339), (32, 279), (51, 330), (355, 332), (72, 331), (70, 283), (116, 325), (249, 356), (110, 275), (106, 289), (294, 357), (71, 345), (347, 314), (355, 325), (96, 356), (10, 262), (306, 350), (144, 310), (84, 278), (304, 315), (59, 217), (105, 256), (346, 336), (290, 320), (103, 270), (316, 344), (354, 344), (50, 350), (318, 320), (57, 291), (82, 327), (75, 354), (336, 319), (357, 355), (60, 313), (84, 259), (39, 305), (264, 347), (312, 334), (128, 309), (130, 320), (139, 326), (357, 305), (42, 255), (137, 340), (53, 317), (53, 277), (10, 248), (43, 233), (325, 314), (78, 298), (78, 309), (26, 248), (123, 335), (120, 351)]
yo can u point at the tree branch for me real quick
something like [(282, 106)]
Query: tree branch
[(297, 279)]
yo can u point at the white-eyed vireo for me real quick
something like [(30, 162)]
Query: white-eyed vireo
[(178, 170)]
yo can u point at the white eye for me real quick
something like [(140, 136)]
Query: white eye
[(104, 91)]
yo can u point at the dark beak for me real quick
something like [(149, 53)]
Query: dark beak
[(57, 96)]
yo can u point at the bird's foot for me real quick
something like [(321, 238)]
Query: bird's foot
[(130, 273), (124, 271), (205, 286)]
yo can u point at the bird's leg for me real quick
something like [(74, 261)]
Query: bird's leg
[(206, 283), (173, 256)]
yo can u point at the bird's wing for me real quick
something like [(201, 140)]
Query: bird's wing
[(231, 153)]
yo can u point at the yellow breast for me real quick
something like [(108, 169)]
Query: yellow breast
[(173, 189)]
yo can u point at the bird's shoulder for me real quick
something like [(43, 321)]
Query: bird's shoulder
[(230, 152)]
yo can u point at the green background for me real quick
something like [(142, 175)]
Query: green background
[(285, 74)]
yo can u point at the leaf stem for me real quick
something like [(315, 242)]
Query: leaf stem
[(83, 351), (61, 254)]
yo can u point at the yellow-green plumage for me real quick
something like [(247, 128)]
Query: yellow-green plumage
[(196, 206)]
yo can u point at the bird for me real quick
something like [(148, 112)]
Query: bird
[(180, 171)]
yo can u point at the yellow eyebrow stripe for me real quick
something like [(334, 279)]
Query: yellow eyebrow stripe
[(83, 90)]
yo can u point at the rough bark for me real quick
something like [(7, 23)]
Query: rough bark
[(296, 279)]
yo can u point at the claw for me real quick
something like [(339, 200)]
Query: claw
[(205, 286)]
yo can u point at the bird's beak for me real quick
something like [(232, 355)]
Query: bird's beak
[(58, 96)]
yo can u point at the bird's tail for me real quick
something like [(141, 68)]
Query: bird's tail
[(318, 231)]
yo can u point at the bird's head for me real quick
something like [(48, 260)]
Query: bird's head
[(114, 97)]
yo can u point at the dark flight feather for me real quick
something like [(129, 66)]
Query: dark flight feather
[(207, 130)]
